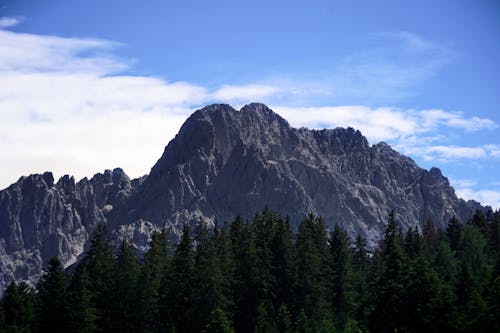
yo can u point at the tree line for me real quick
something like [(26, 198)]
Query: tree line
[(259, 276)]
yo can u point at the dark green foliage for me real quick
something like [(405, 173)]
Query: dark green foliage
[(126, 310), (181, 282), (454, 231), (82, 313), (100, 267), (17, 307), (150, 283), (313, 269), (341, 281), (53, 298), (387, 315), (259, 277)]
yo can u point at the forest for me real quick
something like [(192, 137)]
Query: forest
[(259, 276)]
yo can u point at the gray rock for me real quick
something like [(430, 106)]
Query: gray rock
[(223, 162), (40, 219)]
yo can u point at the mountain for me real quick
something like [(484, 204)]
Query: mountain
[(223, 162)]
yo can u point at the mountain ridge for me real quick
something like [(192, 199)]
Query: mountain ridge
[(223, 162)]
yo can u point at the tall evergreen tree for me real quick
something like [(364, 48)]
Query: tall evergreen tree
[(341, 278), (282, 264), (313, 262), (53, 299), (386, 316), (454, 231), (180, 285), (212, 293), (361, 273), (126, 308), (100, 268), (244, 255), (152, 278), (82, 312), (17, 308)]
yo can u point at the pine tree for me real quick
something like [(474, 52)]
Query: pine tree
[(282, 264), (53, 301), (82, 312), (361, 272), (100, 267), (151, 283), (430, 237), (284, 320), (313, 262), (454, 231), (387, 312), (126, 297), (212, 293), (341, 279), (180, 285), (17, 304), (244, 254)]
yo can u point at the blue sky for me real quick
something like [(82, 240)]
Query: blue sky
[(89, 85)]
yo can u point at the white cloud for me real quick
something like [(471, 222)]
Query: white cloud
[(67, 106), (29, 53), (485, 197), (8, 22), (434, 118), (75, 114), (238, 93), (389, 124)]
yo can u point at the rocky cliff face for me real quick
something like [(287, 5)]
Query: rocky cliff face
[(40, 219), (223, 162)]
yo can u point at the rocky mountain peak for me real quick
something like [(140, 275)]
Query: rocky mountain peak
[(221, 163)]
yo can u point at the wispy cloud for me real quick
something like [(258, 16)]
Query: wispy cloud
[(237, 93), (9, 22), (486, 197), (68, 105), (408, 128), (390, 67)]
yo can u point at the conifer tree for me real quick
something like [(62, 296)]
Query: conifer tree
[(282, 265), (53, 299), (82, 312), (341, 279), (126, 308), (361, 273), (100, 268), (17, 308), (386, 315), (313, 260), (150, 287), (212, 293), (454, 231), (180, 285), (244, 254)]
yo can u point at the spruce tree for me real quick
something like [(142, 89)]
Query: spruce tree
[(17, 308), (100, 267), (341, 278), (53, 298), (454, 231), (151, 283), (313, 262), (180, 285), (82, 312), (386, 316), (245, 263), (126, 296)]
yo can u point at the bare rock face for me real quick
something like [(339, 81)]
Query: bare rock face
[(225, 162), (221, 163), (40, 219)]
